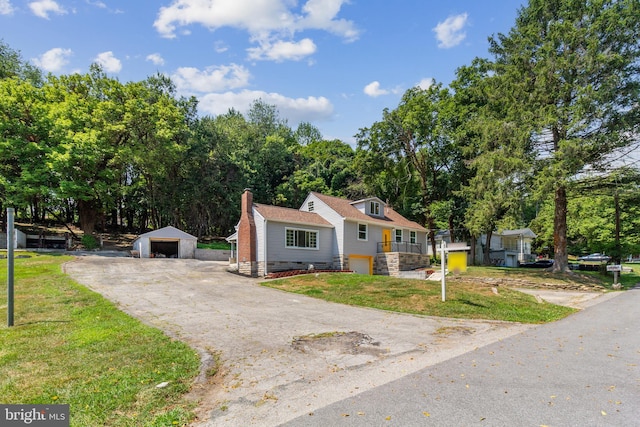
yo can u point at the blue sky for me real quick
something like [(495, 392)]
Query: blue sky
[(334, 63)]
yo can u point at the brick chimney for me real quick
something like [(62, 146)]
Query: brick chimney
[(247, 237)]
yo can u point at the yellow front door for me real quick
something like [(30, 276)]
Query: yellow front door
[(386, 240)]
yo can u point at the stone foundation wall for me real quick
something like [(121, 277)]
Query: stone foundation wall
[(248, 268), (392, 263)]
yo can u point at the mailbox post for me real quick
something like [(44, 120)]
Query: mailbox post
[(616, 268)]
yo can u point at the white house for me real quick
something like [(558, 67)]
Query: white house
[(326, 232), (167, 242), (508, 248)]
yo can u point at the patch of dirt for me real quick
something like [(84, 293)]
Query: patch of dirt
[(454, 331), (341, 342), (584, 285)]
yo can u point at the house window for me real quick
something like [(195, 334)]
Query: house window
[(298, 238), (413, 237), (310, 206), (374, 208), (398, 235), (362, 232)]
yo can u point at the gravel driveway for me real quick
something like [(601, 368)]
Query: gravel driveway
[(272, 370)]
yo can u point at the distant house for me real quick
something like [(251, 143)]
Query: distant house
[(508, 248), (19, 239), (326, 232), (167, 242)]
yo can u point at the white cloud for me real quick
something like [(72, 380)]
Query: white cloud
[(449, 32), (43, 8), (296, 110), (109, 62), (98, 4), (321, 15), (268, 22), (156, 58), (374, 90), (212, 79), (53, 60), (220, 46), (5, 7), (281, 50), (426, 83)]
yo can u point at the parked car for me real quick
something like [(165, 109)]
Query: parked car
[(540, 263), (597, 257)]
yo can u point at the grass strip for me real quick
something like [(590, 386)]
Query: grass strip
[(71, 346), (463, 299)]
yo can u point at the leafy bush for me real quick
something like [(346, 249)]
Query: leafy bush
[(89, 242)]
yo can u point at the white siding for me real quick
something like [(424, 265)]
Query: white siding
[(187, 248), (259, 220), (331, 216)]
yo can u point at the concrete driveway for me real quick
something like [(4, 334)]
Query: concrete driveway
[(272, 369)]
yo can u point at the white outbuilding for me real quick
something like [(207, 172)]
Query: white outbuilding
[(167, 242)]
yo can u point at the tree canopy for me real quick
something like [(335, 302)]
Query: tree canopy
[(532, 136)]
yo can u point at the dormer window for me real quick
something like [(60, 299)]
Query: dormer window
[(374, 208)]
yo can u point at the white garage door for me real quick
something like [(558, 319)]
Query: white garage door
[(359, 265)]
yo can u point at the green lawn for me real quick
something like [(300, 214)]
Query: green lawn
[(464, 299), (70, 345), (215, 245)]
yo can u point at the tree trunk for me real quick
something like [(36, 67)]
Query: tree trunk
[(560, 258), (486, 256), (88, 215), (432, 234), (473, 250), (451, 229), (617, 256)]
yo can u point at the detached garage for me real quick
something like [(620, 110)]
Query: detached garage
[(167, 242)]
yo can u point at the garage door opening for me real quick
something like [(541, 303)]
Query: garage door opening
[(361, 264), (164, 249)]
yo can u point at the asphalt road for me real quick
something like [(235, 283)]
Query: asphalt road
[(580, 371)]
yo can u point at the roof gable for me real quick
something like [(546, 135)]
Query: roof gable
[(168, 232)]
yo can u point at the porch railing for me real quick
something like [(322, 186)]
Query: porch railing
[(406, 247)]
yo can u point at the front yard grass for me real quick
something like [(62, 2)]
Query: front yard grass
[(71, 346), (464, 298)]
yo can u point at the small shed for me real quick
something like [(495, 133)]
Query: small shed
[(167, 242)]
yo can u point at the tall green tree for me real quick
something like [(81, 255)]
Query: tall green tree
[(491, 142), (25, 179), (81, 157), (569, 69), (414, 135), (12, 65)]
